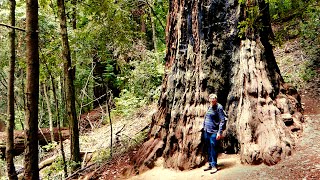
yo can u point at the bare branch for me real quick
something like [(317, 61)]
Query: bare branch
[(12, 27)]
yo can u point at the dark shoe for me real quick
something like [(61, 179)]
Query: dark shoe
[(208, 168), (214, 170)]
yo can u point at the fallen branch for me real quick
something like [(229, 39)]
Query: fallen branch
[(143, 129), (47, 162), (117, 133), (80, 170)]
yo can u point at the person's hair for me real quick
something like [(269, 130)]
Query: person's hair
[(213, 96)]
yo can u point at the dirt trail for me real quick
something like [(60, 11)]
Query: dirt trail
[(303, 164)]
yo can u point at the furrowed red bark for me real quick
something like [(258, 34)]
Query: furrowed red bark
[(205, 54)]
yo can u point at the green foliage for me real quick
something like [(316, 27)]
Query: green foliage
[(280, 9), (299, 20), (146, 77), (55, 171), (140, 85), (296, 73), (3, 168), (160, 10), (310, 32), (107, 30), (251, 22), (102, 156), (141, 136), (242, 2), (127, 103), (50, 146), (308, 74)]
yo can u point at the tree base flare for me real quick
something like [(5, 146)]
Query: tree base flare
[(265, 125)]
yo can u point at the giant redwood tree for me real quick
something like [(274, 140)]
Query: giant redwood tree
[(221, 47)]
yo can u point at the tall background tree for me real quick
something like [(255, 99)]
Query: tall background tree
[(69, 87), (31, 168), (10, 112), (207, 53)]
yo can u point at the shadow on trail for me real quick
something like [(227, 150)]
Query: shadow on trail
[(226, 165)]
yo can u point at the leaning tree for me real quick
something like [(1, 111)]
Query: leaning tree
[(221, 47)]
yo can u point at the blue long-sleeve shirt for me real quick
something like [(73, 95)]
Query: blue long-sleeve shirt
[(214, 119)]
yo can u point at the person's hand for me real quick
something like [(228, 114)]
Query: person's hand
[(218, 136)]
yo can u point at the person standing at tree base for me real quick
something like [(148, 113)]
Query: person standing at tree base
[(213, 124)]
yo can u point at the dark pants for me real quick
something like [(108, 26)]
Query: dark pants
[(212, 143)]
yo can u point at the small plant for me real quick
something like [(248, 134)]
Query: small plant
[(251, 22), (102, 155), (308, 73), (127, 103), (141, 136), (50, 146), (54, 170)]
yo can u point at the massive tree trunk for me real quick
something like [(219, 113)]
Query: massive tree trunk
[(69, 88), (32, 92), (205, 54), (10, 125)]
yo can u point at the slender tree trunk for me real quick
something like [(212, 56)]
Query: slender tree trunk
[(2, 126), (23, 91), (23, 96), (57, 115), (154, 36), (69, 87), (32, 92), (143, 24), (110, 120), (47, 99), (10, 109), (100, 88), (63, 100), (74, 14), (205, 55)]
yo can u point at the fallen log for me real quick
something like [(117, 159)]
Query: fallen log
[(47, 162), (44, 138), (42, 164)]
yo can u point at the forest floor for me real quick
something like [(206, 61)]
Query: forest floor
[(304, 163)]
